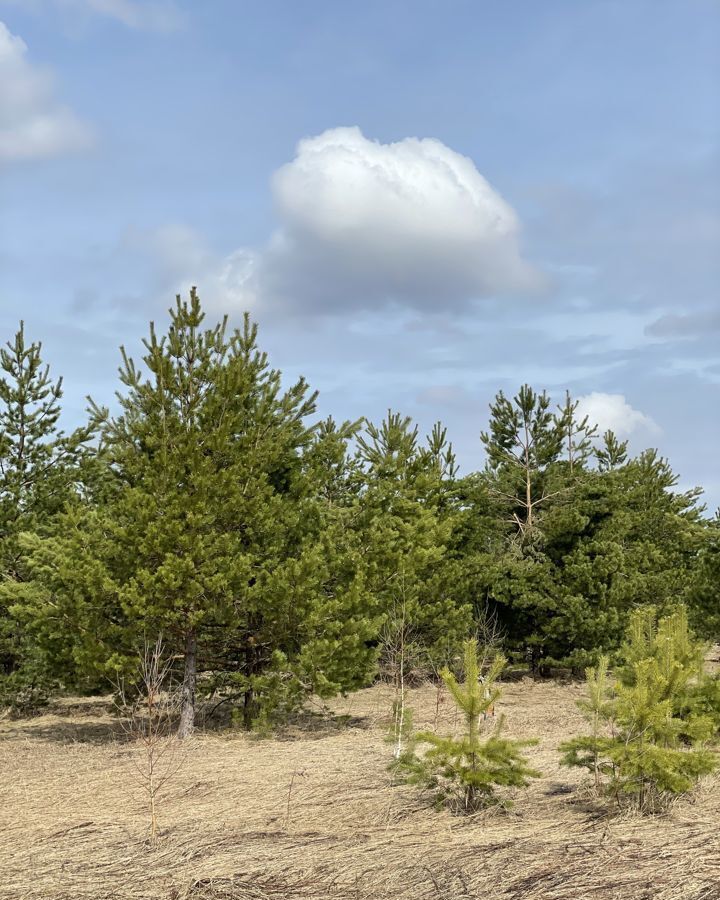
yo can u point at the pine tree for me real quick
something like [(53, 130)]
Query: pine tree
[(577, 434), (704, 594), (523, 444), (213, 534), (527, 479), (464, 772), (407, 517), (612, 539), (613, 452), (38, 474), (597, 708), (647, 742)]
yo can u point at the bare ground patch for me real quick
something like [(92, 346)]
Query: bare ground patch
[(73, 824)]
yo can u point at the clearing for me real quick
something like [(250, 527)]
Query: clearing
[(312, 814)]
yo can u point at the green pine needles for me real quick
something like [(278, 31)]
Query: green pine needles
[(285, 557), (39, 468), (463, 772), (651, 728)]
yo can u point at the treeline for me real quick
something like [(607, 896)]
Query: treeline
[(279, 556)]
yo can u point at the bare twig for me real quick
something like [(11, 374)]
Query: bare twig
[(149, 720)]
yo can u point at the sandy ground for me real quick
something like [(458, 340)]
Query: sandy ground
[(313, 814)]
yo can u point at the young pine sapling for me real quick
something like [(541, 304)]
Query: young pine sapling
[(648, 741), (464, 771)]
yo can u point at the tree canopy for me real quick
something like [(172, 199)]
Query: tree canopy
[(272, 550)]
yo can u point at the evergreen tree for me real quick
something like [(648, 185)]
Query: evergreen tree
[(704, 595), (659, 529), (652, 743), (465, 771), (577, 434), (38, 474), (607, 541), (213, 534), (523, 444), (627, 539), (407, 517), (598, 710), (612, 453), (693, 693), (526, 480)]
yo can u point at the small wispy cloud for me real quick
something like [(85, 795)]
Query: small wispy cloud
[(33, 122), (687, 325), (143, 15)]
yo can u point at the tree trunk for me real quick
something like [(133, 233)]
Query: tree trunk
[(528, 498), (250, 706), (187, 708)]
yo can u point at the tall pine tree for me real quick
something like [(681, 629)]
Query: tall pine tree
[(212, 534), (38, 474), (407, 516)]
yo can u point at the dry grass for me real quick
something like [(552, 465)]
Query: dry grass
[(72, 828)]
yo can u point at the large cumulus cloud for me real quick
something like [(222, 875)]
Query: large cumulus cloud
[(363, 224), (412, 221)]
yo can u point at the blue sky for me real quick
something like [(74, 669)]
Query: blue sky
[(420, 202)]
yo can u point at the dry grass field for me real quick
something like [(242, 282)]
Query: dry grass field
[(312, 814)]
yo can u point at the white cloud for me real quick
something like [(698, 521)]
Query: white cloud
[(226, 284), (33, 124), (364, 224), (613, 412), (173, 258), (146, 15)]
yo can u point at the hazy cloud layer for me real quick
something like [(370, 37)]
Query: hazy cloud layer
[(146, 15), (33, 123), (148, 266), (647, 238), (689, 325)]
